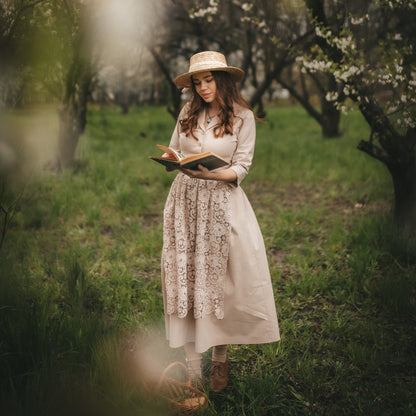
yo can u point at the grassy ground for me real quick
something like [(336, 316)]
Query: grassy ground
[(80, 278)]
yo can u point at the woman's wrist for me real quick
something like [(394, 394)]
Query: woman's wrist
[(226, 175)]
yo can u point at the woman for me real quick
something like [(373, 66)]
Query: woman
[(216, 282)]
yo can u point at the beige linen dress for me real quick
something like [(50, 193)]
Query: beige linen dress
[(216, 281)]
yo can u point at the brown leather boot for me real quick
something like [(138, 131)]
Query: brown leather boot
[(218, 379)]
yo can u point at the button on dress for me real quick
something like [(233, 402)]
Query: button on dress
[(215, 276)]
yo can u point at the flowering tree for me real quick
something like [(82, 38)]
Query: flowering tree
[(180, 28), (189, 26), (360, 54), (372, 58), (274, 33)]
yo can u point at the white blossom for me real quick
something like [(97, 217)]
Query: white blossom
[(343, 43), (247, 6), (357, 20), (208, 12), (347, 73), (319, 32), (331, 96), (410, 122), (316, 65)]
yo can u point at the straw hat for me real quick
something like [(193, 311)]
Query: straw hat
[(207, 61)]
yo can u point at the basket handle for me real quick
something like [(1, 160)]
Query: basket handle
[(169, 368)]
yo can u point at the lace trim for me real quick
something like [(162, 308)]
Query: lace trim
[(195, 246)]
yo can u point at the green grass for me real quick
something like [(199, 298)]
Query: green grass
[(80, 277)]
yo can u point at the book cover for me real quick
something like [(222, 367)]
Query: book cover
[(175, 159)]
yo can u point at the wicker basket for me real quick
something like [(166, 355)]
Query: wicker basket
[(181, 396)]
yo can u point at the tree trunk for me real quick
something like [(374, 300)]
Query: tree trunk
[(70, 129), (260, 113), (330, 119), (123, 95), (176, 101), (73, 113), (123, 101), (404, 182), (401, 163), (176, 94)]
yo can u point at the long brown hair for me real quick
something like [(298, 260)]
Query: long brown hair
[(227, 96)]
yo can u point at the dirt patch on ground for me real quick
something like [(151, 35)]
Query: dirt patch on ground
[(277, 257), (296, 196), (150, 219)]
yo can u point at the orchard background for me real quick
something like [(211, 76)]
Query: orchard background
[(86, 91)]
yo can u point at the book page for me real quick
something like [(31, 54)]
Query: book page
[(170, 151), (195, 157)]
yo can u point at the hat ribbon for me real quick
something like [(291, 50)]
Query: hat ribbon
[(205, 64)]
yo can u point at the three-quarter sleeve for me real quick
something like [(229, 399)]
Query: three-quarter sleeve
[(244, 152)]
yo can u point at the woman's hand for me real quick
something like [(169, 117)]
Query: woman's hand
[(170, 157), (225, 175), (201, 173)]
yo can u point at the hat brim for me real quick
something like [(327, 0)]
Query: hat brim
[(185, 80)]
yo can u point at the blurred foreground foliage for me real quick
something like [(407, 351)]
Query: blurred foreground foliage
[(80, 290)]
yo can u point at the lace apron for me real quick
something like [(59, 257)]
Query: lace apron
[(195, 246)]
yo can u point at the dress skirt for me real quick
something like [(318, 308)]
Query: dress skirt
[(249, 312)]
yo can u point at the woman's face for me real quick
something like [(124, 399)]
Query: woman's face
[(205, 86)]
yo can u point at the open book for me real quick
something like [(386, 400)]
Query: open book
[(175, 159)]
